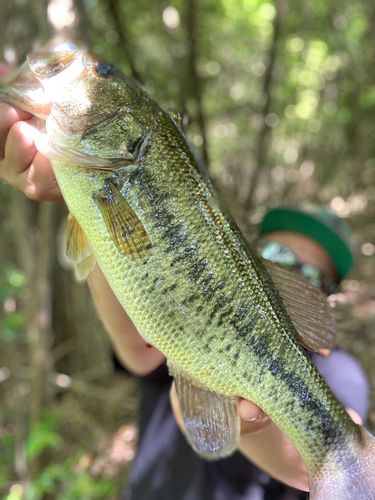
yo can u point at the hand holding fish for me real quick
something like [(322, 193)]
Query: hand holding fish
[(21, 165)]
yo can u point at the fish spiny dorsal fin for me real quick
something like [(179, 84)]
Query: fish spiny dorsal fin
[(124, 226), (308, 308), (78, 250), (212, 422), (176, 117)]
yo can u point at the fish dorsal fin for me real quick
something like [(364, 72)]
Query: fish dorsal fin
[(78, 250), (308, 308), (211, 420), (123, 224)]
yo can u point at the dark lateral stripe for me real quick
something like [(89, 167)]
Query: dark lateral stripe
[(297, 388), (145, 182), (197, 269)]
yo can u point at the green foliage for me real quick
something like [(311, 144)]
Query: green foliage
[(68, 481), (6, 457), (44, 435), (12, 324), (65, 477), (65, 481)]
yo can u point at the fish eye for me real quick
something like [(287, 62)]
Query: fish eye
[(105, 69)]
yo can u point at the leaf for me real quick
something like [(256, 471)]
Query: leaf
[(39, 440)]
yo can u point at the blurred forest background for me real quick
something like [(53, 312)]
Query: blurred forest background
[(278, 99)]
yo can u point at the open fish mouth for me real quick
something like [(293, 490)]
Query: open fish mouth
[(25, 91), (24, 88)]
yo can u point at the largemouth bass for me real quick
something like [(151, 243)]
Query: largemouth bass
[(143, 209)]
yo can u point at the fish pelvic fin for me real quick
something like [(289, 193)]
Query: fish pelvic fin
[(77, 252), (347, 477), (77, 245), (308, 308), (84, 268), (212, 422), (123, 224)]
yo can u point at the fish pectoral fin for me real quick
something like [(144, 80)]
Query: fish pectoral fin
[(211, 420), (78, 250), (308, 308), (123, 224)]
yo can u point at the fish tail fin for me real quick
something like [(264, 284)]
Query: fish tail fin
[(350, 476)]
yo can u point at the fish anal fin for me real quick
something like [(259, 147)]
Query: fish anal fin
[(123, 224), (76, 251), (308, 308), (211, 420)]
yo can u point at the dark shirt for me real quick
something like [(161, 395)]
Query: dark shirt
[(166, 467)]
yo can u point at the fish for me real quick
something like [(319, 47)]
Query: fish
[(230, 324)]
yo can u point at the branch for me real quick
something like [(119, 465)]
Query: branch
[(34, 245), (261, 152), (79, 386), (114, 11), (84, 26), (195, 80)]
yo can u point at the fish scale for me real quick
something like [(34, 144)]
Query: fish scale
[(182, 270)]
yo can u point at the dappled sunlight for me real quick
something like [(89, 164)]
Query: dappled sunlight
[(120, 450), (61, 14)]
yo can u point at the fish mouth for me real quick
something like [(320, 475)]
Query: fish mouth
[(24, 88), (33, 88), (25, 91)]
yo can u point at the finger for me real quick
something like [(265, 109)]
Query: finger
[(249, 411), (25, 168), (253, 419), (41, 184), (38, 181), (8, 117), (19, 152), (176, 407), (354, 416)]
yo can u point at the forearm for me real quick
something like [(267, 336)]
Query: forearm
[(129, 346), (272, 452)]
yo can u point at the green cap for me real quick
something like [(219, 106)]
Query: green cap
[(331, 232)]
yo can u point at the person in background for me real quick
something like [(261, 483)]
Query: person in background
[(166, 467)]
